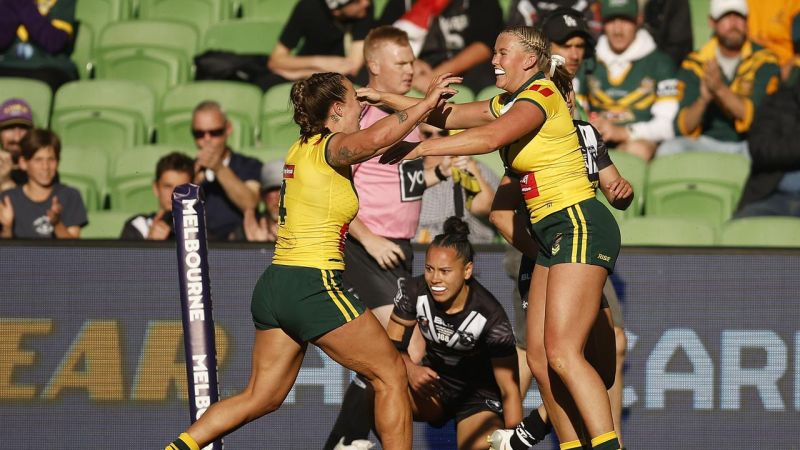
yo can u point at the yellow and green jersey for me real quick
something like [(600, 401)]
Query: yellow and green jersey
[(629, 97), (756, 76), (316, 206), (548, 161)]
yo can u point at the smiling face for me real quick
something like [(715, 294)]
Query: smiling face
[(511, 62), (42, 166), (348, 111), (391, 68), (446, 273)]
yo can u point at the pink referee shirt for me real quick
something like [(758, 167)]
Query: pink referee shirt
[(381, 206)]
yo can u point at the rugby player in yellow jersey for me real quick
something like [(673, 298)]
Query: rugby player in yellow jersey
[(299, 298), (578, 237)]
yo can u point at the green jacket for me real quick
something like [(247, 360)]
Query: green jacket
[(756, 76)]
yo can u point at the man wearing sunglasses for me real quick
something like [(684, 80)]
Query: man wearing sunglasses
[(230, 181)]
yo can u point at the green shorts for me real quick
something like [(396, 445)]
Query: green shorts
[(584, 233), (304, 302)]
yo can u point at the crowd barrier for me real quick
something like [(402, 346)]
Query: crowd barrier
[(91, 350)]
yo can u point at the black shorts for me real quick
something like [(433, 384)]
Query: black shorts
[(461, 400), (364, 277)]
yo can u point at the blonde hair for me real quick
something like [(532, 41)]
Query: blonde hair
[(382, 35), (535, 42)]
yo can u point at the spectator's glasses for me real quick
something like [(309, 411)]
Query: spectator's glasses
[(199, 134), (427, 134)]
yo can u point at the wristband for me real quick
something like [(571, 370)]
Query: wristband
[(438, 172)]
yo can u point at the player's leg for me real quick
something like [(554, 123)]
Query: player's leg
[(276, 362), (573, 299), (471, 431), (362, 345)]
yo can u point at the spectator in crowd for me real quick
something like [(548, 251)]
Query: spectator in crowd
[(332, 33), (230, 181), (769, 23), (632, 90), (172, 170), (16, 119), (36, 38), (41, 208), (721, 85), (532, 12), (660, 19), (459, 39), (6, 166), (378, 254), (451, 198), (773, 188), (264, 228)]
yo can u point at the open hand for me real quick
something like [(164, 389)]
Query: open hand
[(439, 89)]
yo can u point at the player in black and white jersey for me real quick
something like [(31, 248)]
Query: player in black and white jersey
[(470, 369)]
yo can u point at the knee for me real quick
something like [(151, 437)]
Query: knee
[(560, 358), (390, 377), (621, 343), (537, 362), (259, 404)]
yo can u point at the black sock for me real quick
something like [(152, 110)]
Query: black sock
[(530, 431), (356, 416)]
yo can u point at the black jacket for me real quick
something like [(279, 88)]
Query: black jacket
[(774, 143)]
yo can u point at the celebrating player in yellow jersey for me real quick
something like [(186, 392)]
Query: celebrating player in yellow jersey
[(299, 298), (578, 238)]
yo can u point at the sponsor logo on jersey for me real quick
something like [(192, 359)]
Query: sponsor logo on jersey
[(288, 171)]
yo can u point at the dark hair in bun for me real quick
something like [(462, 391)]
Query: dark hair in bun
[(455, 236)]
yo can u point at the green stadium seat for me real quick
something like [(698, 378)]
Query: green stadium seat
[(132, 175), (488, 92), (99, 13), (464, 95), (703, 185), (108, 114), (245, 36), (35, 92), (86, 169), (278, 128), (158, 53), (701, 31), (634, 169), (771, 231), (268, 9), (241, 102), (493, 161), (105, 224), (264, 154), (199, 13), (82, 53), (666, 231)]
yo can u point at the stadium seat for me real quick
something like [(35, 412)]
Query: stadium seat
[(158, 53), (264, 154), (245, 36), (488, 92), (772, 231), (86, 169), (666, 231), (701, 30), (35, 92), (277, 124), (268, 9), (82, 52), (634, 169), (99, 13), (464, 95), (493, 161), (241, 102), (109, 114), (104, 224), (704, 185), (132, 175), (199, 13)]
